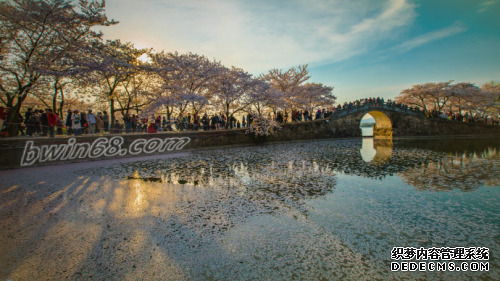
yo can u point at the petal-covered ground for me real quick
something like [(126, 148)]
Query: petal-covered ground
[(306, 210)]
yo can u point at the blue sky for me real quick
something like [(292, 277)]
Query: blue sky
[(362, 48)]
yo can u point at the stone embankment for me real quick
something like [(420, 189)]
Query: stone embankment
[(27, 152)]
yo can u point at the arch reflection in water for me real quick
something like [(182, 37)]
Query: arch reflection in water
[(376, 151), (301, 170)]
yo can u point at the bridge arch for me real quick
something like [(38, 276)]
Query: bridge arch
[(389, 118), (383, 124)]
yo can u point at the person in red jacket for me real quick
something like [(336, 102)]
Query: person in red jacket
[(151, 128), (4, 114), (52, 120)]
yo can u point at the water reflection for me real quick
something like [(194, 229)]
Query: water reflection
[(465, 171), (314, 209), (376, 150), (306, 170)]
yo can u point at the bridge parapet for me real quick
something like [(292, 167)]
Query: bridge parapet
[(374, 106)]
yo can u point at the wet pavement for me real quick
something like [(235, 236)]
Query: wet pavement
[(305, 211)]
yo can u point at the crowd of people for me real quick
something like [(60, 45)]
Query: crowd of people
[(375, 101), (46, 123), (193, 122)]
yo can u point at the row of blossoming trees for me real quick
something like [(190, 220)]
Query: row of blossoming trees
[(459, 98), (52, 53)]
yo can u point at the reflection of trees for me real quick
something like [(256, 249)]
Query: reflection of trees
[(305, 170), (210, 192), (466, 172), (266, 181)]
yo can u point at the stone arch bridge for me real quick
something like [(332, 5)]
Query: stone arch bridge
[(396, 121)]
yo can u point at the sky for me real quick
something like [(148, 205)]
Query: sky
[(362, 48)]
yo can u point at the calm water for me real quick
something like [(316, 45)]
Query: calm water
[(317, 210)]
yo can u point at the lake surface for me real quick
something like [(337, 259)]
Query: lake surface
[(324, 210)]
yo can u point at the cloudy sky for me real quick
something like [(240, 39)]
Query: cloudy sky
[(362, 48)]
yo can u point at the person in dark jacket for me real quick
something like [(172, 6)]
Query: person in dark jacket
[(105, 120), (69, 128), (30, 121)]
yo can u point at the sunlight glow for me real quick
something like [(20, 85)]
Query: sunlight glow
[(144, 58)]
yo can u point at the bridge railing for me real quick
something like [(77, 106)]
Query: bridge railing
[(375, 105)]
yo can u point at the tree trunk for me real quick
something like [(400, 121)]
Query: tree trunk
[(54, 100), (61, 104), (12, 119), (112, 112)]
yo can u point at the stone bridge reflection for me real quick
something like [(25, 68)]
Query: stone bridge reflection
[(305, 170), (376, 151)]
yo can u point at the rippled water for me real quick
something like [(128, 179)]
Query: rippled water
[(317, 210)]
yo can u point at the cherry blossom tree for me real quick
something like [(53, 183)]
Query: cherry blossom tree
[(314, 95), (264, 97), (288, 82), (52, 92), (109, 65), (428, 96), (296, 92), (164, 95), (133, 91), (191, 78), (263, 127), (229, 90), (484, 104), (37, 35), (463, 93)]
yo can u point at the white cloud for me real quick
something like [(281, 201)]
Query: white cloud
[(456, 28), (259, 35), (485, 5)]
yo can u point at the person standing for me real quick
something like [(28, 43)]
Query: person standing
[(20, 124), (77, 124), (91, 122), (105, 120), (59, 125), (83, 123), (51, 122), (158, 123), (44, 122), (99, 124), (133, 123), (30, 121), (164, 123), (4, 113), (69, 123)]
